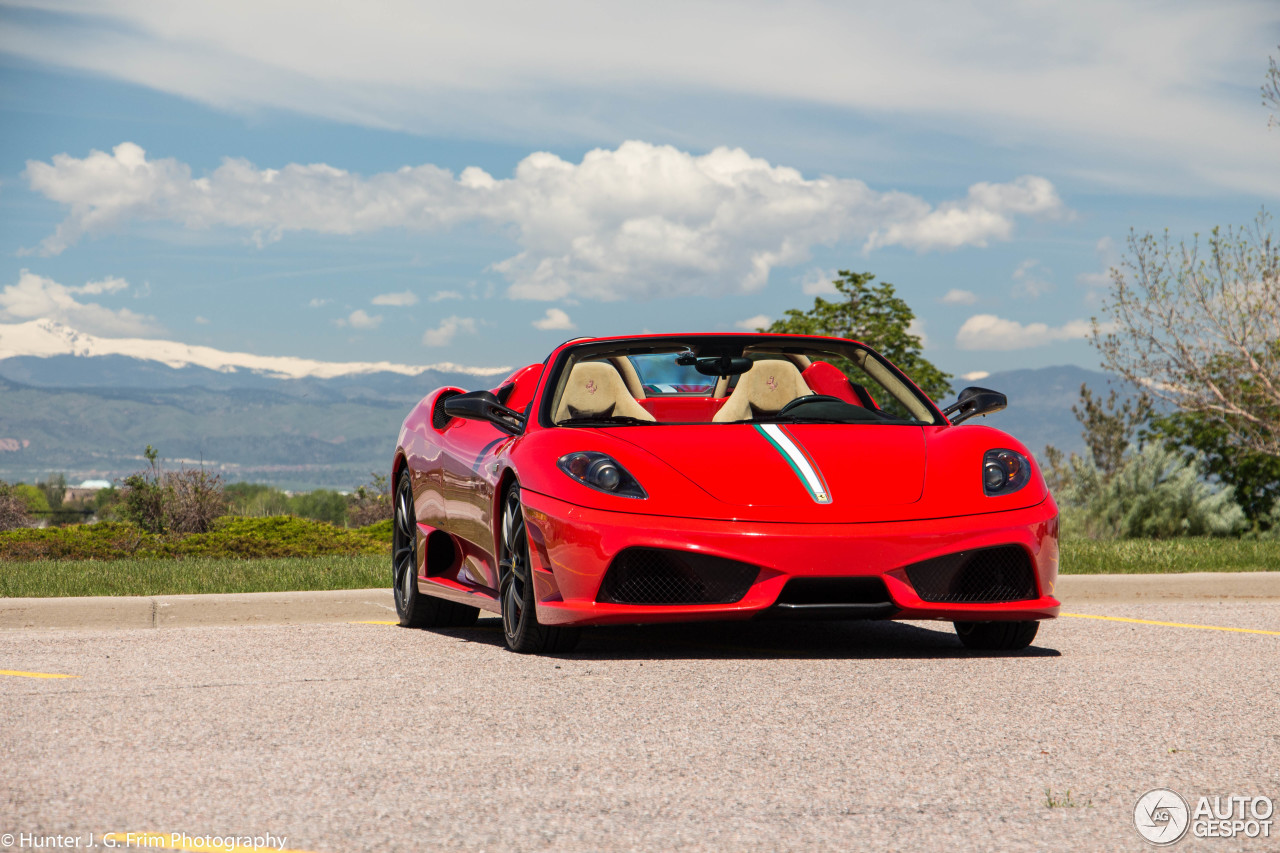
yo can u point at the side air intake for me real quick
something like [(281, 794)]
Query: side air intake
[(661, 576), (985, 575)]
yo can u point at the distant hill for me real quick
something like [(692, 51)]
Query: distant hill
[(91, 416), (1040, 402)]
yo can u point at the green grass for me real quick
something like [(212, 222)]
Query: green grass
[(1168, 556), (191, 575)]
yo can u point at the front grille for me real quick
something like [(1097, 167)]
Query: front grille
[(657, 576), (439, 419), (1003, 573)]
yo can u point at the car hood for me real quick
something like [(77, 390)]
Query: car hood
[(867, 472), (793, 465)]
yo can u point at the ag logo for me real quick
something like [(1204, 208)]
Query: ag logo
[(1161, 816)]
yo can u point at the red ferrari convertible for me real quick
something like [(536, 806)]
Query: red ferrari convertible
[(663, 478)]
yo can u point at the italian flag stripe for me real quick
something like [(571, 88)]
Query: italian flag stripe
[(799, 460)]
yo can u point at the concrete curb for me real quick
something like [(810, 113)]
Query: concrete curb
[(1182, 587), (355, 605), (181, 611)]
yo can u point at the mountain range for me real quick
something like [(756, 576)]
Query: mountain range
[(87, 407)]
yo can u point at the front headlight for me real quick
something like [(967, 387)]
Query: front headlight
[(600, 472), (1004, 472)]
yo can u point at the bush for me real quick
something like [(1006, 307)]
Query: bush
[(13, 509), (370, 503), (241, 538), (188, 500), (1156, 493)]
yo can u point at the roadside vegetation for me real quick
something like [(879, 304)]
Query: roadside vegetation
[(191, 575)]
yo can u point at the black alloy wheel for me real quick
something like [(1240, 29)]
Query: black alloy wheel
[(520, 625), (997, 636), (415, 609)]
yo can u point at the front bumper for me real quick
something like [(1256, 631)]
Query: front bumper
[(572, 546)]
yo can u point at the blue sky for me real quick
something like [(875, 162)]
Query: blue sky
[(419, 183)]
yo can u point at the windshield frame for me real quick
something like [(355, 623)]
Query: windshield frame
[(557, 374)]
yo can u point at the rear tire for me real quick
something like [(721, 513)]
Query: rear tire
[(415, 609), (997, 636), (520, 627)]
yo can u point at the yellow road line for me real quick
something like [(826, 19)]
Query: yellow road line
[(176, 841), (34, 674), (1171, 624)]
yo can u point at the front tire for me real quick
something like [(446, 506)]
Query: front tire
[(415, 609), (997, 636), (520, 625)]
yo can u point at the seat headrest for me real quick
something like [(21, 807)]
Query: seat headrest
[(596, 388), (768, 386)]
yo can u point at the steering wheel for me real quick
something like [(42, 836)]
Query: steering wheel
[(804, 401)]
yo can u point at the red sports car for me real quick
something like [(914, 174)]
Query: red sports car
[(663, 478)]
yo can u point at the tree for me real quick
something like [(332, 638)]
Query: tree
[(874, 316), (1108, 430), (1202, 333), (1271, 91), (1255, 477)]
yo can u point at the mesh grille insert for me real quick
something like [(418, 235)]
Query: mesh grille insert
[(439, 419), (1003, 573), (657, 576)]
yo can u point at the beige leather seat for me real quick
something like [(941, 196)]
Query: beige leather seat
[(596, 389), (768, 386)]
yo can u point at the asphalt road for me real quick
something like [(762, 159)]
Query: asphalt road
[(831, 736)]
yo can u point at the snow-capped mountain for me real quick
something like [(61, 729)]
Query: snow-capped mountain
[(47, 338)]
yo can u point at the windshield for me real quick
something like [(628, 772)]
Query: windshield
[(717, 379)]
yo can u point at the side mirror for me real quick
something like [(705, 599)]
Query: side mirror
[(973, 401), (484, 406)]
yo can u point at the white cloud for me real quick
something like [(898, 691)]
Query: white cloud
[(554, 319), (975, 375), (399, 300), (986, 215), (637, 222), (360, 319), (443, 334), (819, 282), (441, 295), (318, 303), (760, 321), (956, 296), (202, 321), (1029, 280), (1174, 83), (989, 332), (35, 297)]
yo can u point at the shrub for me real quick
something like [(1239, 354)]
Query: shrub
[(370, 503), (1156, 493), (188, 500), (13, 509), (230, 537)]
